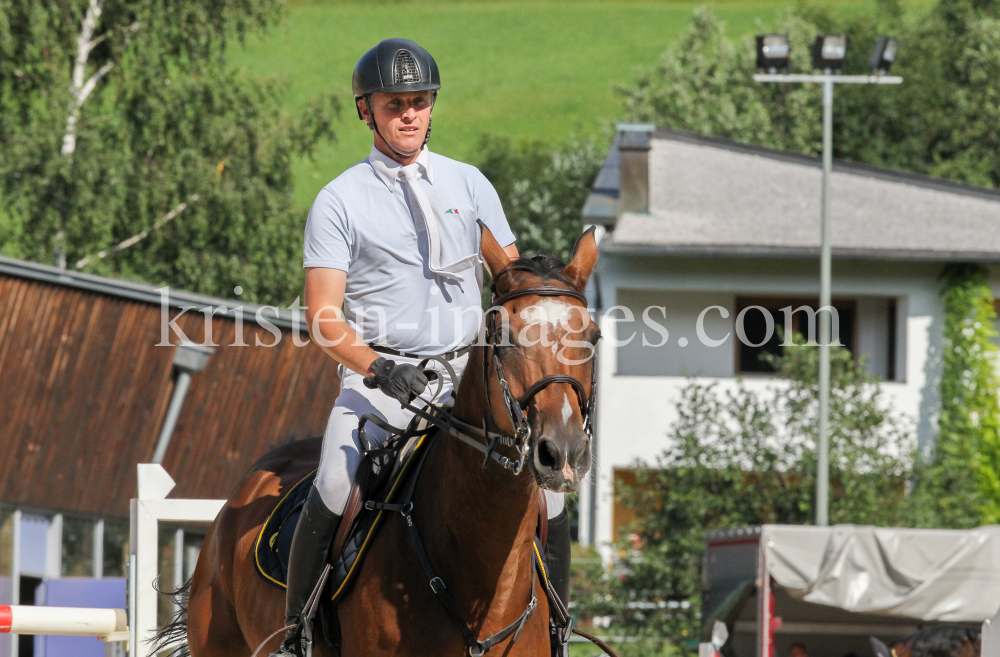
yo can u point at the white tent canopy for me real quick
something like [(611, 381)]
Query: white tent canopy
[(928, 574)]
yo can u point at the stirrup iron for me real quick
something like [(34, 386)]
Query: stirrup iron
[(309, 613)]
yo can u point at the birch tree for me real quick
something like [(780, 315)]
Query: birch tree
[(129, 147)]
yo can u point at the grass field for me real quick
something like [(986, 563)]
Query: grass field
[(526, 69)]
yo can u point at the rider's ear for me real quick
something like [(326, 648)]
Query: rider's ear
[(493, 254), (584, 257)]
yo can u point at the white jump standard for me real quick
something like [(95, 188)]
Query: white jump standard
[(146, 512)]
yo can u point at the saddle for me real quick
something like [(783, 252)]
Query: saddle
[(382, 475)]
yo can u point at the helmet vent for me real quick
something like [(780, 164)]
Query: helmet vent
[(405, 68)]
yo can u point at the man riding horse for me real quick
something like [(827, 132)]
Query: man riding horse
[(394, 241)]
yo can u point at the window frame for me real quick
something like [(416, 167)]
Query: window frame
[(774, 303)]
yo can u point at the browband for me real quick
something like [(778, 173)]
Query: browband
[(540, 291)]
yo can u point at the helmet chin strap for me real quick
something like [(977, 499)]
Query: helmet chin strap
[(372, 125)]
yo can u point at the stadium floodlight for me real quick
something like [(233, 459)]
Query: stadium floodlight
[(884, 55), (772, 52), (829, 51)]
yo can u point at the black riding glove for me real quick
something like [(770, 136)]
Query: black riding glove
[(401, 382)]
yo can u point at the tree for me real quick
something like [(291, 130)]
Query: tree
[(543, 188), (130, 148), (941, 121), (958, 482), (740, 458)]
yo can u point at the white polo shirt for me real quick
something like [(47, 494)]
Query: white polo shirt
[(366, 224)]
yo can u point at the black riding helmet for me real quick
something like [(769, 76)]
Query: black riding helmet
[(394, 65)]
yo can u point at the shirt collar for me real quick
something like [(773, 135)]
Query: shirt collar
[(387, 169)]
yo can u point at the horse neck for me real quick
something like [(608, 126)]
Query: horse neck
[(488, 514)]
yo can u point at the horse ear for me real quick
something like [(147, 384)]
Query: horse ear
[(493, 254), (584, 258)]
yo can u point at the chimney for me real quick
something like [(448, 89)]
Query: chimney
[(633, 149)]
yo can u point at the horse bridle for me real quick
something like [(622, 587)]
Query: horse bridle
[(444, 420), (515, 406)]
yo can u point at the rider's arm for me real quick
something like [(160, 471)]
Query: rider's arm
[(327, 326)]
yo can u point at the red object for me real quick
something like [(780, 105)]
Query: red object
[(6, 619), (773, 623), (776, 621)]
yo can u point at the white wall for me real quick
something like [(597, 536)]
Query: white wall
[(678, 313)]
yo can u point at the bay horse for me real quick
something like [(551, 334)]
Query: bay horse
[(477, 521)]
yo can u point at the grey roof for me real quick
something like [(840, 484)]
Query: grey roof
[(716, 197), (145, 293)]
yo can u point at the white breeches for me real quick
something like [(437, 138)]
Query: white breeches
[(342, 452)]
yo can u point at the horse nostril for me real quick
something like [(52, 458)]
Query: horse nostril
[(548, 455)]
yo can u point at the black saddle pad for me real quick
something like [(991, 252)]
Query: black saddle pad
[(382, 475), (275, 538)]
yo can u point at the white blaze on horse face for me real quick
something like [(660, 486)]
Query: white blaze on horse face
[(549, 315), (567, 410)]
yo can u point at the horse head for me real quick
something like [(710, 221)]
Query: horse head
[(542, 342)]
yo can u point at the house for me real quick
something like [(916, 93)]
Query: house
[(98, 375), (711, 239)]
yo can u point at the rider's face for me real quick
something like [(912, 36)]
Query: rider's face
[(402, 119)]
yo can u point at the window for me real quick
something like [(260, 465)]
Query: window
[(116, 534), (77, 547), (6, 541), (758, 343)]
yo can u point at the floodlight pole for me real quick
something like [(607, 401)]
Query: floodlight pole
[(825, 271), (825, 276)]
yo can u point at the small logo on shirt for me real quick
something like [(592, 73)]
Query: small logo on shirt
[(455, 211)]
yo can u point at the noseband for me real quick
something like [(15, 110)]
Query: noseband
[(516, 406)]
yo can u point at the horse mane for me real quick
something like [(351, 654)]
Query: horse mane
[(543, 266)]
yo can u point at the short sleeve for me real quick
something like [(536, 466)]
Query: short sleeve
[(328, 241), (490, 211)]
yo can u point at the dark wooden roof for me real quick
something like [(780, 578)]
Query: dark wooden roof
[(84, 390)]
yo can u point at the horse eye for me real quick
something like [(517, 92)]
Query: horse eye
[(503, 340)]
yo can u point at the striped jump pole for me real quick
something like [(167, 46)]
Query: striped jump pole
[(106, 624)]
